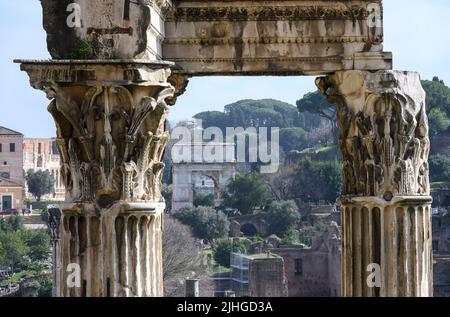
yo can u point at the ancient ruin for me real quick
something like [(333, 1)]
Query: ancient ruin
[(188, 174), (386, 202), (118, 64)]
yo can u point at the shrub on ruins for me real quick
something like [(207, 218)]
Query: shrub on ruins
[(45, 287), (206, 222), (224, 247), (308, 233), (167, 193), (291, 237)]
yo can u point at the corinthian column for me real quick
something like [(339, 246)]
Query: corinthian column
[(386, 203), (110, 120)]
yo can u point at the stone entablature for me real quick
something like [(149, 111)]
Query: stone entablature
[(274, 37), (223, 37)]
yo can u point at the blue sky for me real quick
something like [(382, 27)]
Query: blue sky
[(417, 31)]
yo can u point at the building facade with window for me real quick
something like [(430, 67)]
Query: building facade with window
[(42, 154), (314, 271), (12, 177)]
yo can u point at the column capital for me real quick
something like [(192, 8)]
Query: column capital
[(110, 119), (383, 132)]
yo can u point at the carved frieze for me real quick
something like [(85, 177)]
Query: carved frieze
[(268, 13)]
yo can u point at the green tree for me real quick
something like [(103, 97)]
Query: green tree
[(439, 122), (440, 168), (213, 119), (293, 139), (282, 216), (11, 224), (323, 179), (202, 199), (40, 183), (38, 244), (223, 248), (438, 105), (259, 113), (245, 192), (206, 222), (438, 95), (316, 103), (12, 249), (262, 113)]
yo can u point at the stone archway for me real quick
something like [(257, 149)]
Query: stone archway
[(249, 230), (251, 224), (111, 80), (184, 175), (215, 177)]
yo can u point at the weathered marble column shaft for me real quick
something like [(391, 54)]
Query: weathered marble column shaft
[(386, 203), (110, 118)]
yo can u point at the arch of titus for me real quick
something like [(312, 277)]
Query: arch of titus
[(116, 66)]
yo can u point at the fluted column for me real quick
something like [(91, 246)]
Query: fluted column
[(110, 119), (386, 203)]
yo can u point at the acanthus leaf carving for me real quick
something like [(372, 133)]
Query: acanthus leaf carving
[(111, 147), (383, 132)]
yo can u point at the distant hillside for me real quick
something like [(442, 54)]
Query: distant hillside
[(260, 113), (297, 130)]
